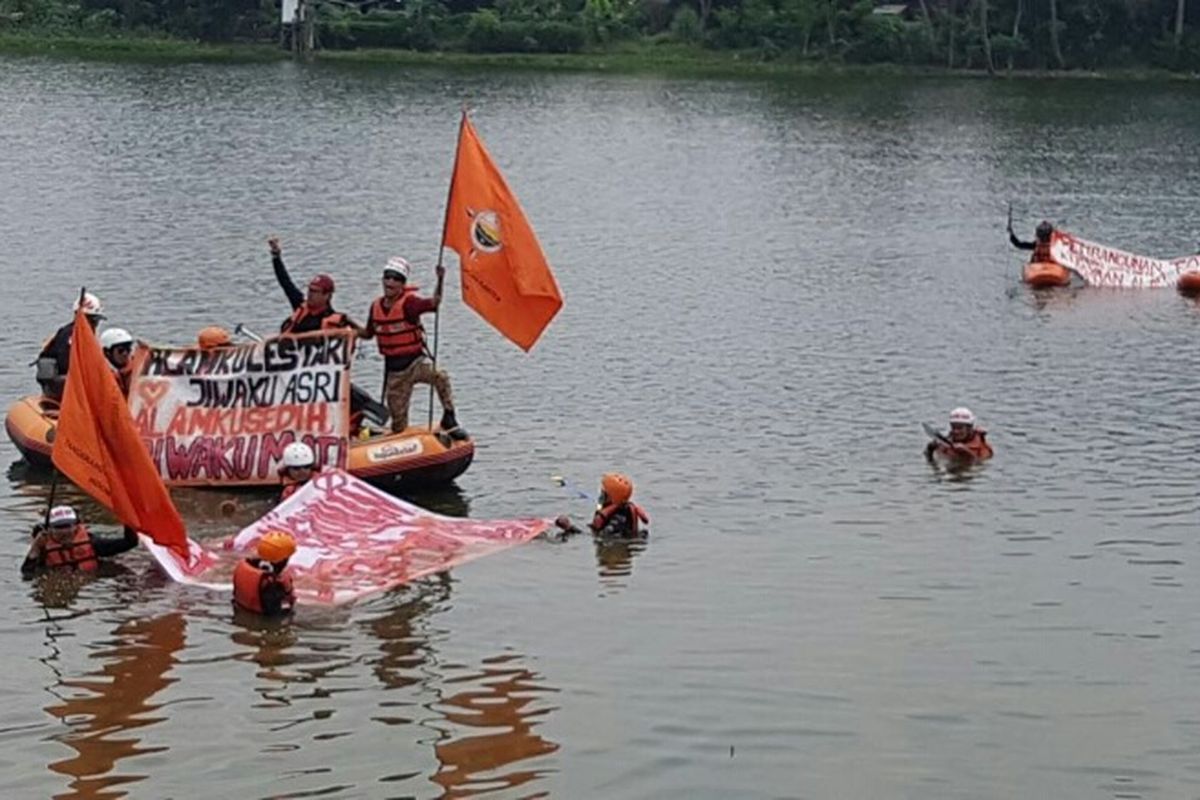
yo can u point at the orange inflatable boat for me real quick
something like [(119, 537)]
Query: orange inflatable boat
[(416, 457), (1189, 283), (1045, 274)]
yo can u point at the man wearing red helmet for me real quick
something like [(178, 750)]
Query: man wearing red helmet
[(311, 311)]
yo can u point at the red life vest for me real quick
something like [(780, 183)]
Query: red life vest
[(249, 580), (396, 335), (331, 321), (977, 446), (77, 553), (1041, 252), (124, 375), (636, 516)]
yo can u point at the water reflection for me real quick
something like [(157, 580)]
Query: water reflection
[(405, 647), (614, 558), (493, 729), (115, 703)]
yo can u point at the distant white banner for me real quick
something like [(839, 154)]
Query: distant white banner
[(1104, 266)]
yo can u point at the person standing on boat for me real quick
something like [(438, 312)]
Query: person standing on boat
[(1040, 246), (311, 311), (263, 585), (55, 358), (966, 441), (117, 345), (395, 320), (67, 544)]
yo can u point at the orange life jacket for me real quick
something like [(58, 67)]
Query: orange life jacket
[(636, 516), (331, 321), (396, 335), (1041, 252), (77, 553), (249, 580), (977, 446)]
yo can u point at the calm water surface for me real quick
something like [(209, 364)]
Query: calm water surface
[(768, 287)]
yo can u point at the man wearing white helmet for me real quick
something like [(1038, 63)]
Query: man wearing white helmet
[(64, 543), (966, 441), (395, 320), (55, 358), (118, 349), (299, 466)]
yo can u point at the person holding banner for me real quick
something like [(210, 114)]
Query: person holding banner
[(299, 467), (395, 320), (55, 358), (1040, 246), (117, 345), (617, 516), (311, 311), (263, 585), (66, 544)]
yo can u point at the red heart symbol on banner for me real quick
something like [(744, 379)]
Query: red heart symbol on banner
[(152, 391)]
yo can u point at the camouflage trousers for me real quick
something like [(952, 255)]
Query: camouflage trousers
[(398, 389)]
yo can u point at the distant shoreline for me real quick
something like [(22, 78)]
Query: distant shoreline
[(676, 61)]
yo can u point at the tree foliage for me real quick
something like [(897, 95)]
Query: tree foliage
[(1006, 34)]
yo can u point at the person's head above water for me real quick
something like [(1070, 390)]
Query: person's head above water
[(615, 488), (298, 461), (1044, 229), (276, 547), (962, 424)]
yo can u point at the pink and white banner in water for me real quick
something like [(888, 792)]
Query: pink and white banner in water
[(352, 540), (1104, 266)]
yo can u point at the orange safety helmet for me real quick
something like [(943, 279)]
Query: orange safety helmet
[(618, 487), (213, 337), (276, 546)]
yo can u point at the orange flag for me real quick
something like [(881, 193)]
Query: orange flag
[(505, 277), (97, 446)]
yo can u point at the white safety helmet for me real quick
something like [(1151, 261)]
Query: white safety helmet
[(298, 454), (962, 416), (398, 264), (115, 337), (63, 516), (91, 305)]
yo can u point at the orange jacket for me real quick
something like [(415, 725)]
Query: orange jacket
[(251, 581), (977, 446), (78, 553), (625, 517)]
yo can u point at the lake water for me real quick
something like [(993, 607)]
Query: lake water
[(768, 285)]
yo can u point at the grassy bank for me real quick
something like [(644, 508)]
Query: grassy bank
[(629, 58)]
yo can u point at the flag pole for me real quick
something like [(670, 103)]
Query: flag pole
[(437, 314), (54, 473)]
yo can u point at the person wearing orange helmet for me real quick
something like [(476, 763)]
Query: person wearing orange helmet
[(212, 337), (965, 442), (617, 516), (263, 584)]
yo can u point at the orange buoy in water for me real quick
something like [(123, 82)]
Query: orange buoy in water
[(1189, 283), (1045, 274)]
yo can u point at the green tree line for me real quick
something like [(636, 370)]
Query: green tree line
[(995, 35)]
